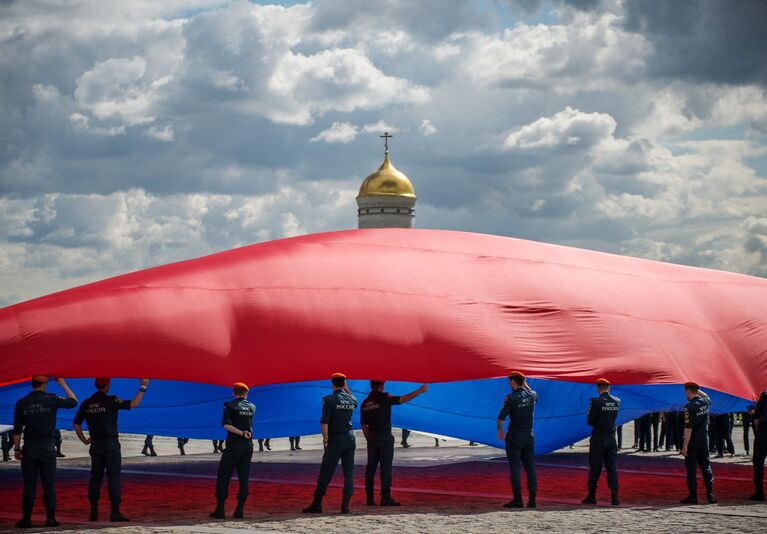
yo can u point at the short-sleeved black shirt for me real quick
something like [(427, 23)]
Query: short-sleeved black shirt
[(35, 415), (239, 413), (337, 410), (760, 413), (696, 418), (603, 411), (99, 411), (519, 407), (375, 411)]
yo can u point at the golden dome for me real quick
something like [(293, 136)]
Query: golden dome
[(387, 181)]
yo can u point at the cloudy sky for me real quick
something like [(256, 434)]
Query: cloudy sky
[(143, 132)]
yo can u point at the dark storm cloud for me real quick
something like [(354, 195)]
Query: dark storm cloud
[(717, 41)]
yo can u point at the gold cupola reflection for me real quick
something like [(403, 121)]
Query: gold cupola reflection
[(386, 198)]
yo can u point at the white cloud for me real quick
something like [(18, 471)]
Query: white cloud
[(569, 127), (379, 127), (335, 80), (427, 128), (339, 132), (114, 88)]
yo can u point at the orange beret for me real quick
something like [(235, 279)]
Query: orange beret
[(338, 375), (40, 378), (516, 374), (693, 385), (240, 385), (603, 382)]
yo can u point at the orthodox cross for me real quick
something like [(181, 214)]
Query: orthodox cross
[(386, 137)]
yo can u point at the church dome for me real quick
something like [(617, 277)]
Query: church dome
[(387, 181)]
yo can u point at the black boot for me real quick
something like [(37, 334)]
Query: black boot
[(266, 444), (50, 517), (692, 498), (710, 495), (94, 515), (151, 452), (115, 516), (240, 510), (181, 448), (386, 500), (218, 513), (757, 496), (59, 454), (591, 498), (531, 501), (315, 507), (345, 504), (144, 451), (6, 456), (25, 521), (516, 502), (614, 499), (371, 500)]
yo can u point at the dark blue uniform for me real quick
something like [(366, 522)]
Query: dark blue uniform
[(7, 444), (35, 417), (376, 414), (99, 411), (239, 450), (519, 407), (760, 444), (337, 410), (696, 418), (603, 411)]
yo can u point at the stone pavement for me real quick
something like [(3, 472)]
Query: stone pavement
[(454, 488)]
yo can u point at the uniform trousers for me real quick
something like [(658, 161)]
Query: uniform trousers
[(760, 453), (380, 451), (697, 456), (105, 457), (38, 459), (645, 433), (7, 441), (602, 451), (341, 448), (236, 456), (520, 447)]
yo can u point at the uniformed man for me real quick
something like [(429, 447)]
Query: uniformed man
[(695, 443), (59, 443), (148, 449), (375, 419), (7, 444), (35, 417), (519, 407), (748, 421), (601, 416), (100, 411), (339, 442), (760, 446), (238, 423), (405, 435)]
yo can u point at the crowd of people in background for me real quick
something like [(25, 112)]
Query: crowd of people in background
[(662, 431)]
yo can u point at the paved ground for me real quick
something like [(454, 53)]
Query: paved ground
[(455, 488)]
